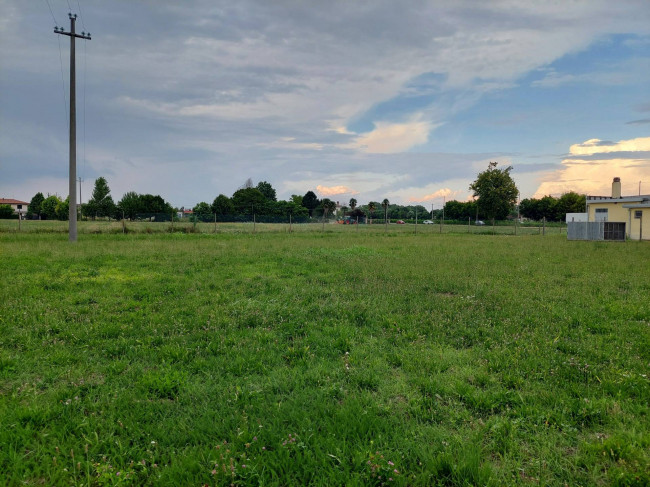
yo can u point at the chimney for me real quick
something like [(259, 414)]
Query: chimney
[(616, 188)]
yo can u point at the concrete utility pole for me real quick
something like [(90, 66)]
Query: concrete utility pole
[(72, 212)]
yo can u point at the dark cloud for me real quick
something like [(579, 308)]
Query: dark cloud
[(643, 121)]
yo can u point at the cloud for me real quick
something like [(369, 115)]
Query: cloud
[(591, 165), (334, 190), (642, 121), (391, 138), (441, 193), (597, 146)]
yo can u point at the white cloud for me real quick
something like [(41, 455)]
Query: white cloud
[(597, 146), (590, 170), (390, 138)]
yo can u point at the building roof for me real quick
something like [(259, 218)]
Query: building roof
[(644, 204), (622, 199), (11, 201)]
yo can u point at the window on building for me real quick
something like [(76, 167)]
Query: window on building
[(601, 214), (637, 214)]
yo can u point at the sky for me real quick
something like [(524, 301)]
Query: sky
[(367, 99)]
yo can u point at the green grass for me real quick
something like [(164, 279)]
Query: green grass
[(135, 227), (323, 359)]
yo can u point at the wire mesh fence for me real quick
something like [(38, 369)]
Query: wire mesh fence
[(253, 223)]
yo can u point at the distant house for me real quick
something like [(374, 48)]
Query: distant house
[(19, 207), (633, 211)]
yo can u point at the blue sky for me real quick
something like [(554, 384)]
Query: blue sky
[(349, 99)]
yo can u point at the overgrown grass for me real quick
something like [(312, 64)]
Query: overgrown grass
[(323, 359)]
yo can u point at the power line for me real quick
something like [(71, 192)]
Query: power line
[(65, 101), (81, 16), (53, 17)]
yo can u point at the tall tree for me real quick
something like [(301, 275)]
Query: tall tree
[(34, 207), (267, 190), (329, 207), (384, 205), (353, 203), (101, 203), (310, 201), (496, 192), (372, 206)]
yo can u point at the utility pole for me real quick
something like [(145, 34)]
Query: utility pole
[(72, 213)]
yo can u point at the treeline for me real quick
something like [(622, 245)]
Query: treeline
[(101, 205), (549, 207), (261, 199)]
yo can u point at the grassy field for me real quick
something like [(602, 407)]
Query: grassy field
[(323, 358), (118, 227)]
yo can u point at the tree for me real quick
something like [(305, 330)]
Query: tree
[(460, 210), (267, 190), (353, 203), (129, 206), (384, 205), (48, 207), (249, 200), (372, 206), (62, 209), (528, 208), (222, 205), (101, 203), (6, 212), (297, 199), (34, 207), (310, 201), (496, 192), (329, 206), (547, 208), (202, 211), (571, 202)]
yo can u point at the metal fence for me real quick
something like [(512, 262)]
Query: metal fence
[(596, 231)]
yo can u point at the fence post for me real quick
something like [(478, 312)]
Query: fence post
[(123, 223), (357, 223), (469, 226), (215, 223), (290, 224), (544, 226)]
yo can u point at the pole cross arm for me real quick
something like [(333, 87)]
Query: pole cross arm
[(83, 35)]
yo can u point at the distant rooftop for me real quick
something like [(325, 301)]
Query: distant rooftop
[(11, 201)]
